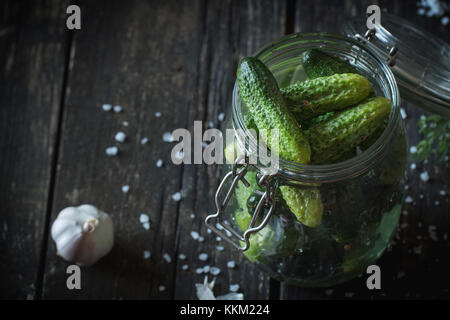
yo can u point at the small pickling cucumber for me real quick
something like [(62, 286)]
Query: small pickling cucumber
[(317, 63), (261, 94), (314, 97), (305, 204), (338, 135)]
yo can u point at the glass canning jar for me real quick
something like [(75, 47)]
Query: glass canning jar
[(361, 197)]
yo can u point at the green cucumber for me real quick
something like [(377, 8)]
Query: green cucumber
[(314, 97), (317, 63), (338, 135), (260, 93), (305, 204)]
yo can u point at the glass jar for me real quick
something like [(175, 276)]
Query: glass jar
[(361, 198)]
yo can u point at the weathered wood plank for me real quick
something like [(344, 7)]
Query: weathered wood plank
[(33, 42), (231, 30), (143, 56), (415, 267)]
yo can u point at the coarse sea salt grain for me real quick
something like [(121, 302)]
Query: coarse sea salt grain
[(206, 269), (215, 271), (143, 218), (125, 188), (176, 196), (120, 136), (162, 288), (424, 176), (442, 193), (403, 113), (408, 199), (234, 287), (220, 248), (209, 231), (146, 225), (218, 239), (167, 137), (106, 107), (199, 270), (192, 216), (413, 149), (203, 256), (158, 114), (413, 166), (184, 267), (144, 140), (221, 116), (182, 256), (112, 151), (147, 254), (201, 239), (231, 264), (125, 123), (159, 163), (117, 109), (195, 235), (167, 258), (444, 20), (436, 203), (211, 124)]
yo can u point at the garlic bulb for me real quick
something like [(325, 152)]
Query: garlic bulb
[(83, 234)]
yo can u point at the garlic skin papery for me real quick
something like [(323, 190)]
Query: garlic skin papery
[(83, 234)]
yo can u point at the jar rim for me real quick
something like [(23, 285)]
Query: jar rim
[(341, 170)]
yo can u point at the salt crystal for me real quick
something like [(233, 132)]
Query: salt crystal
[(442, 193), (125, 123), (403, 113), (146, 225), (117, 109), (234, 287), (231, 264), (444, 20), (144, 140), (159, 163), (201, 239), (176, 196), (158, 114), (436, 203), (209, 231), (421, 196), (413, 166), (408, 199), (218, 239), (161, 288), (221, 116), (220, 248), (195, 235), (167, 258), (184, 267), (413, 149), (424, 176), (125, 188), (215, 271), (421, 11), (111, 151), (203, 256), (146, 254), (179, 155), (120, 136), (219, 226), (182, 256), (228, 233), (192, 216), (206, 269), (106, 107), (167, 137), (199, 270), (144, 218), (211, 124), (406, 187)]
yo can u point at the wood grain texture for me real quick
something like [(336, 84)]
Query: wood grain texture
[(32, 60), (231, 30)]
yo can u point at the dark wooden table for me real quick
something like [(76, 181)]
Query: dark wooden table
[(178, 58)]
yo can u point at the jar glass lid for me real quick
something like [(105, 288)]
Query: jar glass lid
[(419, 60)]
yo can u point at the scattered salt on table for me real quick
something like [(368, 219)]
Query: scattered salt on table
[(231, 264), (106, 107), (184, 267), (120, 136), (424, 176), (144, 140), (176, 196), (158, 114), (408, 199), (167, 137), (220, 248), (234, 287), (117, 109), (215, 271), (195, 235), (111, 151), (159, 163), (203, 256), (146, 254), (182, 256), (125, 188), (167, 258), (413, 149), (162, 288), (143, 218)]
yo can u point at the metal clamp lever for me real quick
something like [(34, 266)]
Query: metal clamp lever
[(238, 173), (370, 36)]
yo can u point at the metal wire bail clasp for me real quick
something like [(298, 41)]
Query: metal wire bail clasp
[(238, 173)]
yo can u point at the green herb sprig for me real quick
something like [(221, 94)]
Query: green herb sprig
[(436, 142)]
